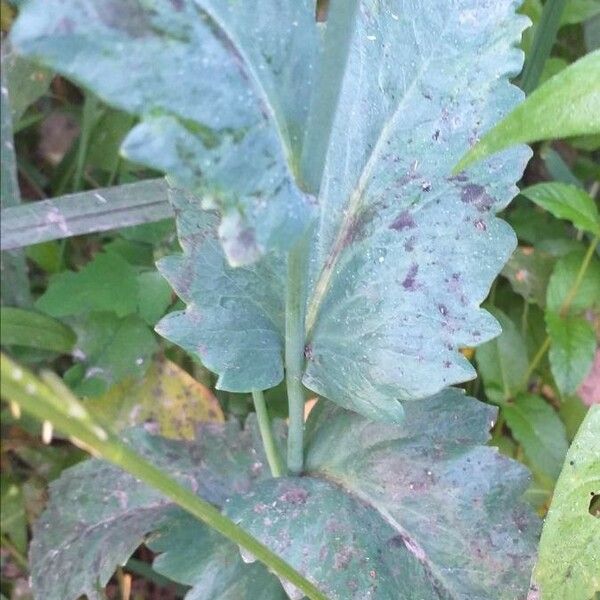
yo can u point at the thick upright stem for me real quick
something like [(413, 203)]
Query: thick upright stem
[(294, 353), (266, 433)]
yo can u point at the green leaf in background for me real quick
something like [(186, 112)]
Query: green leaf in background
[(200, 123), (110, 514), (566, 105), (106, 283), (166, 395), (26, 82), (154, 296), (566, 202), (503, 361), (32, 329), (578, 11), (572, 350), (14, 288), (528, 271), (109, 350), (564, 278), (13, 520), (539, 430), (569, 550), (392, 295), (390, 494)]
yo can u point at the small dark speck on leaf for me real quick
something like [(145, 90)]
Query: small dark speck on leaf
[(403, 221)]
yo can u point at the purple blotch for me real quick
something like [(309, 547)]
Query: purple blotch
[(409, 282), (403, 221), (476, 195)]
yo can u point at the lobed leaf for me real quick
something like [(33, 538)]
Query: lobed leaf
[(423, 510), (390, 511), (570, 545), (75, 550), (567, 105), (392, 295), (212, 89)]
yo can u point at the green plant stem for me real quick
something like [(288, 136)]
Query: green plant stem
[(294, 354), (266, 433), (564, 307), (543, 41), (580, 275), (340, 24), (49, 400), (88, 121), (15, 553)]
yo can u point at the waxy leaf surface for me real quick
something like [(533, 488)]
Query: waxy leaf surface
[(422, 510), (402, 253), (222, 88), (98, 515)]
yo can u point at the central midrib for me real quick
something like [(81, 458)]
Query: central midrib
[(356, 200)]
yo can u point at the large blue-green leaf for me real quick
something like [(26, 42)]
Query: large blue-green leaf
[(223, 89), (418, 511), (424, 510), (403, 253), (98, 515)]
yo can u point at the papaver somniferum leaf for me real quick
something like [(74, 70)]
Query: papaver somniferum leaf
[(402, 252), (216, 86), (421, 510)]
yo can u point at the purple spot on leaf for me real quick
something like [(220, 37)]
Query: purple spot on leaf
[(409, 282), (403, 221)]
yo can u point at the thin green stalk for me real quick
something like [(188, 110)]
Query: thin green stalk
[(50, 401), (341, 16), (15, 553), (88, 122), (294, 354), (266, 433), (580, 275), (564, 307), (543, 41)]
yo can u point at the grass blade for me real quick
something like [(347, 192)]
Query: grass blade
[(85, 212), (544, 39), (50, 401)]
